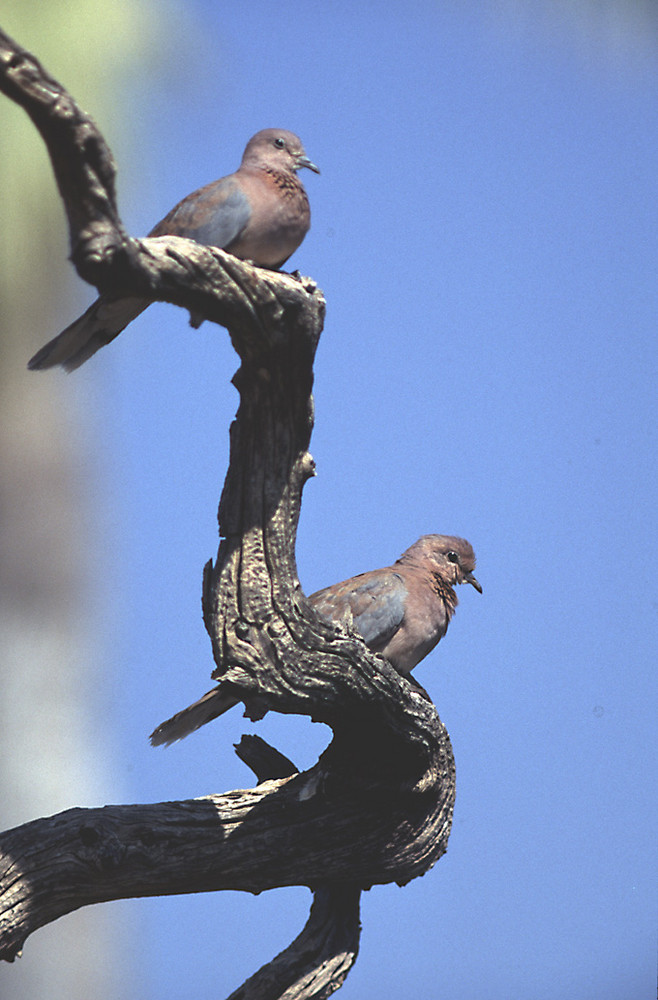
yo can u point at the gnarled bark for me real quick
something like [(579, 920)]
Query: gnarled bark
[(378, 804)]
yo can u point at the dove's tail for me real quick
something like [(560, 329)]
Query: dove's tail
[(204, 710), (101, 323)]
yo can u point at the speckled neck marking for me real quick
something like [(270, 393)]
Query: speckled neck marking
[(445, 592), (288, 183)]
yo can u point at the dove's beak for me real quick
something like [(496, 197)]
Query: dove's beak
[(303, 161), (469, 578)]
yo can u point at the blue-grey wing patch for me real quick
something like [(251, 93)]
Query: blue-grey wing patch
[(214, 215), (375, 600)]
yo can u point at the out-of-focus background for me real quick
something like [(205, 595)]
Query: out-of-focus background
[(485, 231)]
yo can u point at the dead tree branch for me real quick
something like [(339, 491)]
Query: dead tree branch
[(377, 806)]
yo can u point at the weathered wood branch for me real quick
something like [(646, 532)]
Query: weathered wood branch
[(308, 829), (377, 806), (319, 959)]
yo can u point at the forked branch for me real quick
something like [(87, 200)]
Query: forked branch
[(377, 806)]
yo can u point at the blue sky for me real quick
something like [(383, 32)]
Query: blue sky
[(484, 230)]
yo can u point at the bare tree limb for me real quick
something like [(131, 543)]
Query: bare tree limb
[(266, 762), (304, 830), (319, 959), (377, 806), (317, 962)]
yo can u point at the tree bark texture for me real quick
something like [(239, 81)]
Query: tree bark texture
[(377, 806)]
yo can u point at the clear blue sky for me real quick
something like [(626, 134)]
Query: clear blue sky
[(485, 231)]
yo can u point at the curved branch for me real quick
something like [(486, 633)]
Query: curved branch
[(378, 805), (82, 162), (303, 830), (319, 959)]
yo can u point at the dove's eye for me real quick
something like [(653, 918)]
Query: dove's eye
[(452, 557), (280, 143)]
